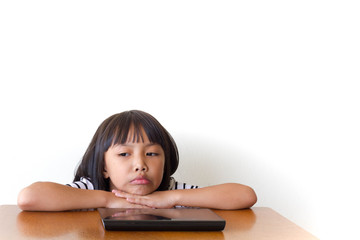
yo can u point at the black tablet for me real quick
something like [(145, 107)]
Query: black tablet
[(174, 219)]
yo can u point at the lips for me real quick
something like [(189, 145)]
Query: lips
[(140, 181)]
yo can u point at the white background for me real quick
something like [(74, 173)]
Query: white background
[(264, 93)]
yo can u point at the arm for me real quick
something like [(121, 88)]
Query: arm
[(49, 196), (223, 196)]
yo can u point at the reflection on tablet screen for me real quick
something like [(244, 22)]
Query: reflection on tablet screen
[(137, 217)]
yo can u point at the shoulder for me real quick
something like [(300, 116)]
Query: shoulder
[(84, 183), (174, 185)]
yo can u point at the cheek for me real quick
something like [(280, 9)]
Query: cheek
[(119, 170), (160, 166), (116, 170), (118, 179)]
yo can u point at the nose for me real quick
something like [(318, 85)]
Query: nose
[(141, 169), (140, 165)]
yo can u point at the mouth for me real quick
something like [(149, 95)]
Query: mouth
[(140, 181)]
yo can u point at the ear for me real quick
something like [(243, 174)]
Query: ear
[(105, 173)]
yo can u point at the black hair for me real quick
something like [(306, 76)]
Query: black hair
[(115, 130)]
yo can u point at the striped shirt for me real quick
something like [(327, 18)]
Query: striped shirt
[(85, 183)]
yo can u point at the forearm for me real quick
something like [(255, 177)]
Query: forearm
[(48, 196), (223, 196)]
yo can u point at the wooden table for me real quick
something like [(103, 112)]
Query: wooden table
[(256, 223)]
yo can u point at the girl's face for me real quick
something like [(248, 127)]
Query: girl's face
[(135, 167)]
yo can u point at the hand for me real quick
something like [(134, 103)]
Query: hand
[(116, 202), (159, 199)]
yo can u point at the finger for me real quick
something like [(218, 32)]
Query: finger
[(118, 192), (134, 200), (122, 194), (139, 206), (135, 205), (139, 201)]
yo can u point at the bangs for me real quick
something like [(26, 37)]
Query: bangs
[(132, 128)]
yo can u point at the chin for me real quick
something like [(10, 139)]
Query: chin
[(142, 191)]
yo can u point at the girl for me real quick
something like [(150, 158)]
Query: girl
[(129, 164)]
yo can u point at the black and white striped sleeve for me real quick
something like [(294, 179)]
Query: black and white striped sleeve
[(84, 183), (174, 185)]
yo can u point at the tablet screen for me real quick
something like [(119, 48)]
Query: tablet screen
[(161, 219)]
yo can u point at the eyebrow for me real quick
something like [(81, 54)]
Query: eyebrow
[(130, 145)]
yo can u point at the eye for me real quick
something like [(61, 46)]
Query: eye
[(152, 154), (124, 154)]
